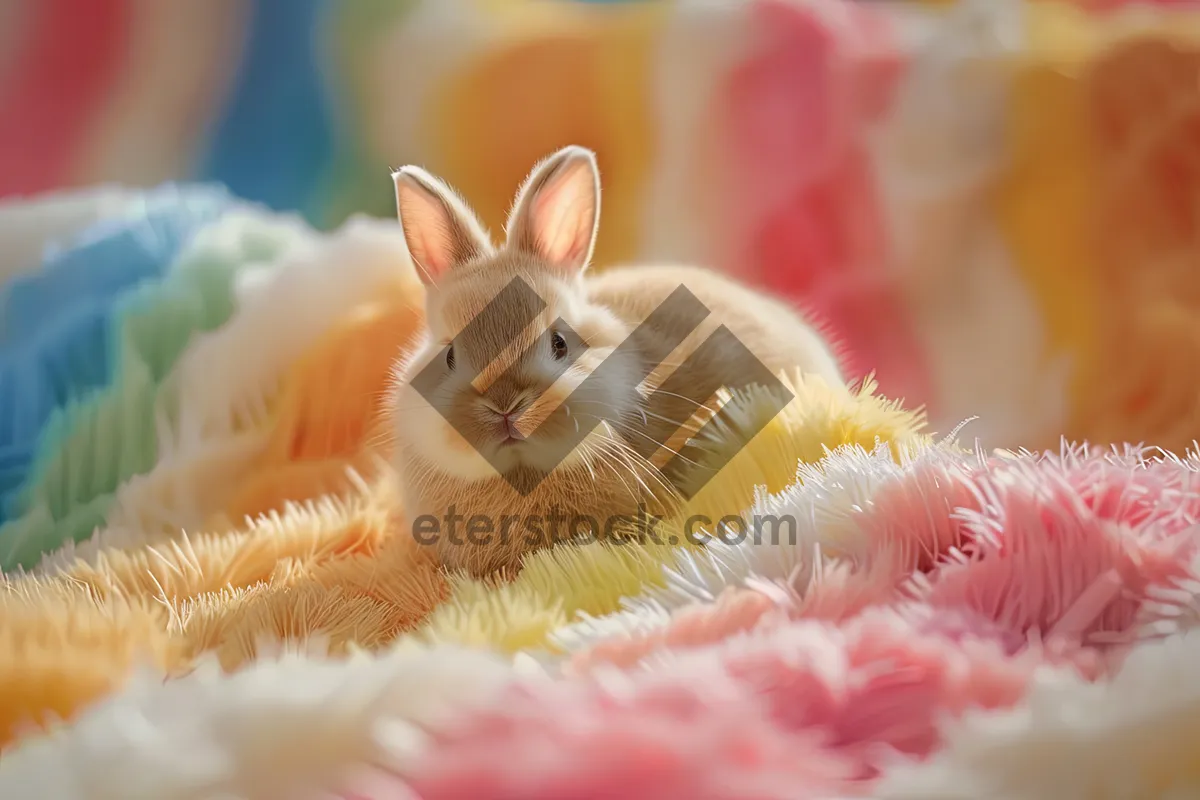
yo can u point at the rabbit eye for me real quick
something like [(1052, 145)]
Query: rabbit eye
[(558, 344), (450, 356)]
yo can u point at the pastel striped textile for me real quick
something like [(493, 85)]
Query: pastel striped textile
[(69, 331), (929, 621), (204, 588), (151, 348)]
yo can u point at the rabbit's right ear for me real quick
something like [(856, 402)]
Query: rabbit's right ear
[(440, 229), (557, 211)]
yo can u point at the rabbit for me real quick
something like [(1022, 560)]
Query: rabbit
[(489, 403)]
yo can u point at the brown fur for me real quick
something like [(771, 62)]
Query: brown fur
[(550, 236)]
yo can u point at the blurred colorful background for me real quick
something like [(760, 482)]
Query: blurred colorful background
[(993, 205)]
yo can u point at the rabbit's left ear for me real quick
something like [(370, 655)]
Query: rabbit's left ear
[(439, 228), (557, 212)]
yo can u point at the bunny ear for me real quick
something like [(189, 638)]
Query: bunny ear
[(440, 229), (557, 211)]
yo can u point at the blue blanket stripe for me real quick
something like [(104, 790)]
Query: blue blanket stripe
[(55, 341)]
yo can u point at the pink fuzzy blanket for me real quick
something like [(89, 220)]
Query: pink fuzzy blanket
[(952, 625)]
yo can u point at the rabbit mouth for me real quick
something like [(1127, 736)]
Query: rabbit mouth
[(508, 435)]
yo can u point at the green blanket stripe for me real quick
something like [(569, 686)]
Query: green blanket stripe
[(90, 448)]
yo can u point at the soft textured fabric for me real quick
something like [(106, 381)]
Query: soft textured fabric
[(90, 445), (987, 203), (885, 613), (1010, 605), (336, 566), (58, 340), (897, 597)]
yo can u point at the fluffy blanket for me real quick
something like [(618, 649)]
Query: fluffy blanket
[(207, 593)]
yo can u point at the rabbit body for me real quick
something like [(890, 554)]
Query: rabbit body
[(545, 403)]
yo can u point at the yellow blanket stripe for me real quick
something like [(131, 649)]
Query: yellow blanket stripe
[(336, 574)]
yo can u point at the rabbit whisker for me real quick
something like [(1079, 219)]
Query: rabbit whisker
[(640, 411), (698, 405), (637, 463)]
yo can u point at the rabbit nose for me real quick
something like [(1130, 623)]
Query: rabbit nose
[(508, 416)]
